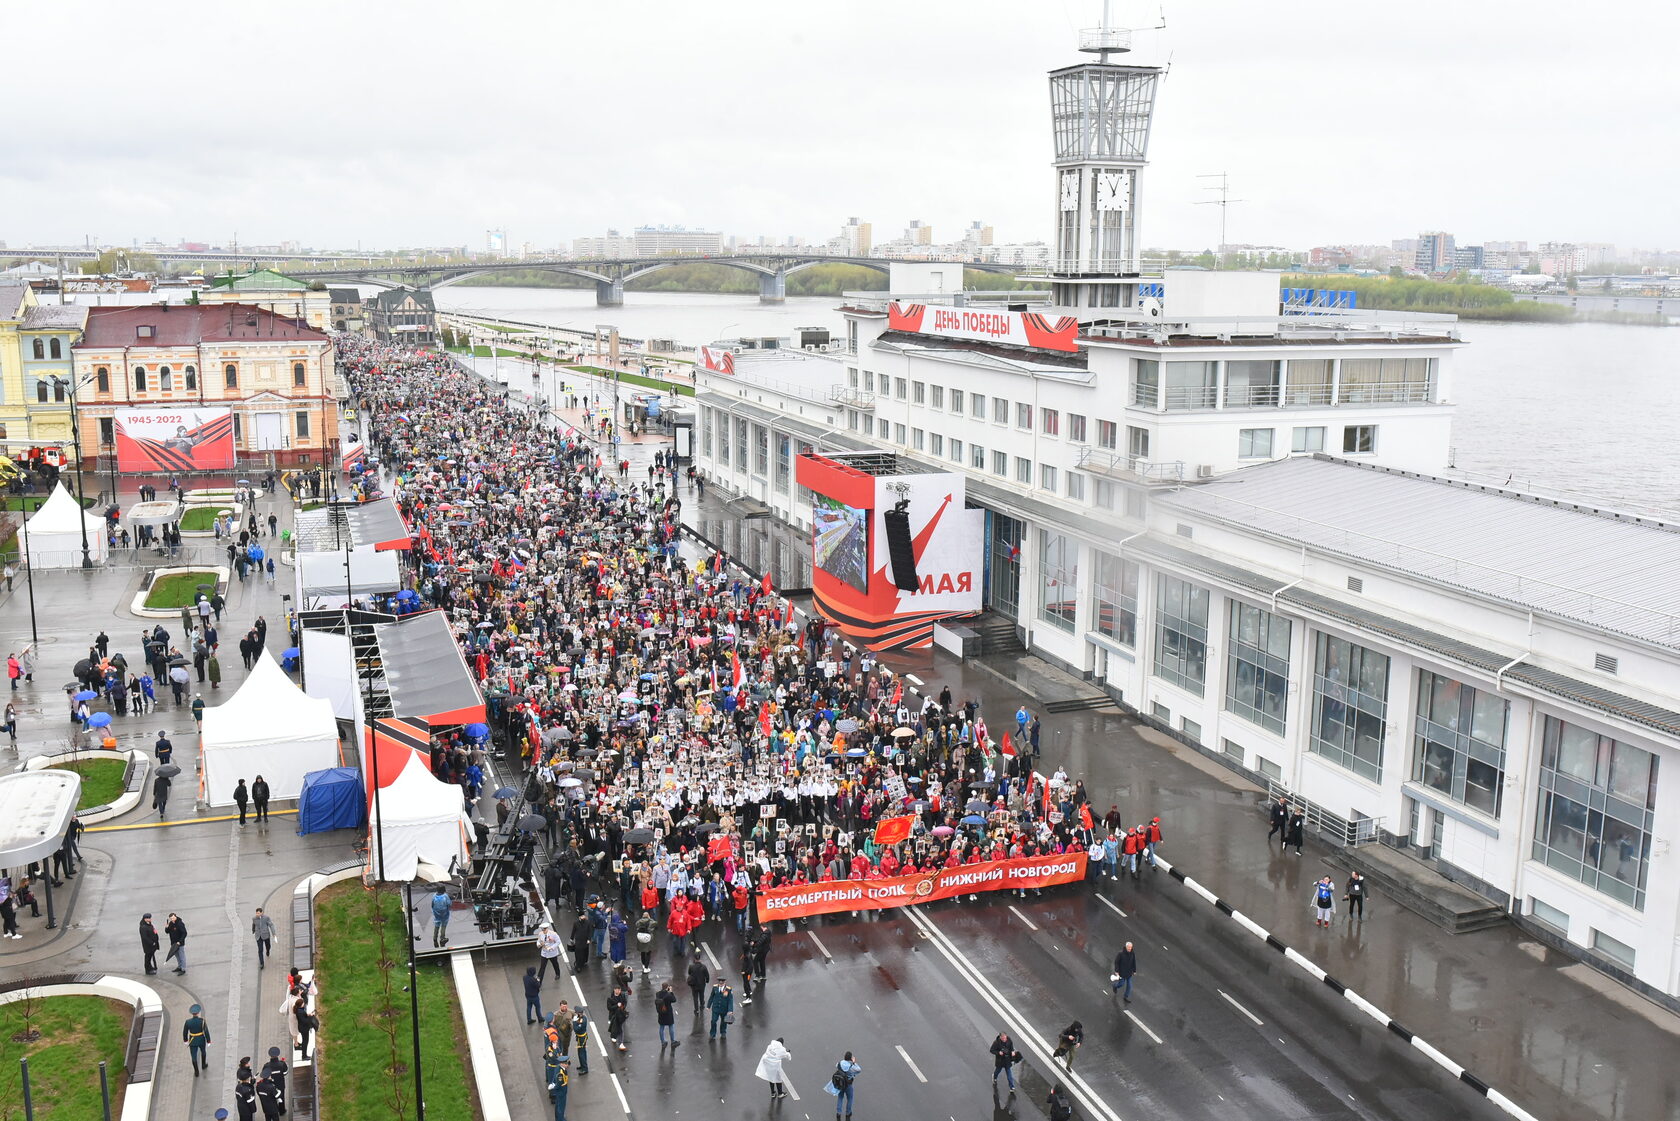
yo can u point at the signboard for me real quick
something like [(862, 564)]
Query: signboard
[(717, 360), (189, 438), (801, 900), (1018, 328)]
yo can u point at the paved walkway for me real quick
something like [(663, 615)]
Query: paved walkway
[(207, 868)]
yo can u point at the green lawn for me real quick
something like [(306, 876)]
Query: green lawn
[(179, 589), (76, 1033), (365, 1025), (102, 780), (504, 330), (626, 378), (29, 503), (200, 519)]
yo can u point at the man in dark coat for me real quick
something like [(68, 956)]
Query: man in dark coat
[(698, 978), (583, 934), (241, 798), (1280, 821), (1125, 966), (1297, 830), (149, 942), (259, 798)]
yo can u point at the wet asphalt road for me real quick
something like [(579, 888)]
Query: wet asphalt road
[(941, 983)]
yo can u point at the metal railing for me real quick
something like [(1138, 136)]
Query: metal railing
[(1296, 395), (1185, 398), (851, 396), (1162, 471), (1250, 396), (1385, 393), (1343, 831)]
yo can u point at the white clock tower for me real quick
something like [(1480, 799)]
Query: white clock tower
[(1100, 112)]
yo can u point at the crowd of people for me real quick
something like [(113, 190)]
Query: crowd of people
[(687, 738)]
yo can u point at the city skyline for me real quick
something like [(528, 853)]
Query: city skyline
[(1360, 131)]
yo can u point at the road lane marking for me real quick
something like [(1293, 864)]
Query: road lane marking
[(1023, 1029), (622, 1100), (1103, 899), (1229, 999), (914, 1069), (1030, 924), (820, 946), (914, 680), (711, 957), (1143, 1026), (583, 1001)]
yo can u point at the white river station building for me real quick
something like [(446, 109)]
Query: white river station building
[(1232, 515)]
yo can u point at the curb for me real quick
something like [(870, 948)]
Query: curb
[(137, 1096), (1457, 1070), (93, 815)]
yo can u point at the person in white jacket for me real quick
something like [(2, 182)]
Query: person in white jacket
[(770, 1066)]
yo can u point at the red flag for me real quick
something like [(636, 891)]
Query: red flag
[(1085, 817), (737, 674), (1047, 796), (1008, 748), (787, 614), (718, 848), (764, 719), (892, 830), (766, 584), (898, 693)]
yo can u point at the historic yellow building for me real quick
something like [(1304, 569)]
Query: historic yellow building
[(36, 367)]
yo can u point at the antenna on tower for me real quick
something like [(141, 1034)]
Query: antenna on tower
[(1107, 39), (1223, 202)]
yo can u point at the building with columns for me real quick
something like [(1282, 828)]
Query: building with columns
[(1231, 508), (278, 376)]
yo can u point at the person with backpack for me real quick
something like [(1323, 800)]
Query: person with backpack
[(1324, 901), (1068, 1042), (645, 927), (1058, 1105), (842, 1085), (665, 1011)]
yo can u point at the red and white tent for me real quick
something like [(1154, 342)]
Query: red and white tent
[(420, 819)]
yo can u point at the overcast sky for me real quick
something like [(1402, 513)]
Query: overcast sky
[(420, 123)]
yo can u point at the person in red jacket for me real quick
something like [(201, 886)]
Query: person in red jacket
[(1130, 849), (1152, 837), (679, 925)]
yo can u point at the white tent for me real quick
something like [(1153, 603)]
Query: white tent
[(52, 537), (269, 728), (423, 820)]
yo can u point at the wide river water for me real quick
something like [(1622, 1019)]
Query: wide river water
[(1590, 410)]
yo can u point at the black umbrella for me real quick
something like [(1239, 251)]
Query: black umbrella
[(205, 587), (532, 822), (168, 770), (706, 828), (178, 660), (583, 773), (83, 668), (639, 837)]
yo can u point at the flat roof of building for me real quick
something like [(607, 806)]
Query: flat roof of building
[(1604, 570), (35, 812)]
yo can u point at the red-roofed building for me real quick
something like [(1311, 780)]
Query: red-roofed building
[(276, 374)]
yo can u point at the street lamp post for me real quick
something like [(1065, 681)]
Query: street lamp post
[(76, 442)]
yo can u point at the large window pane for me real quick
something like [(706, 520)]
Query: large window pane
[(1595, 817), (1058, 576), (1114, 599), (1181, 634), (1257, 684), (1350, 686), (1192, 385), (1459, 744)]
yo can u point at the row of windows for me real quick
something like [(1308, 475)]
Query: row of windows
[(165, 378), (1049, 422), (1257, 443), (45, 348), (1257, 383)]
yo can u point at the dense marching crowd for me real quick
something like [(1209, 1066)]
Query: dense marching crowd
[(687, 739)]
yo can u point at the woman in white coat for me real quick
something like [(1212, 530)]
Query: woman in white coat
[(770, 1066)]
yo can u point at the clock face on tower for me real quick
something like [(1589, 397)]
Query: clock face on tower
[(1070, 190), (1112, 190)]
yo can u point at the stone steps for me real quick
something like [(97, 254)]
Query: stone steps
[(1390, 873)]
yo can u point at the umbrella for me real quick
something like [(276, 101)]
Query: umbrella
[(586, 753), (205, 587), (847, 725), (639, 837), (707, 828), (919, 806), (99, 720), (583, 773), (532, 822), (855, 753), (477, 731), (505, 792), (974, 819), (904, 731), (243, 482), (569, 783), (290, 652), (86, 695), (942, 830), (168, 770), (975, 806), (983, 784)]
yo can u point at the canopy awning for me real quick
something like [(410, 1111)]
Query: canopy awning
[(35, 812), (425, 675)]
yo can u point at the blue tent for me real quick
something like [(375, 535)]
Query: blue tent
[(331, 799)]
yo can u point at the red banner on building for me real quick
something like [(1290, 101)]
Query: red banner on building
[(902, 891)]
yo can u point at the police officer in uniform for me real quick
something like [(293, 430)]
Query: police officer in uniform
[(275, 1070), (245, 1097), (558, 1079), (268, 1096)]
